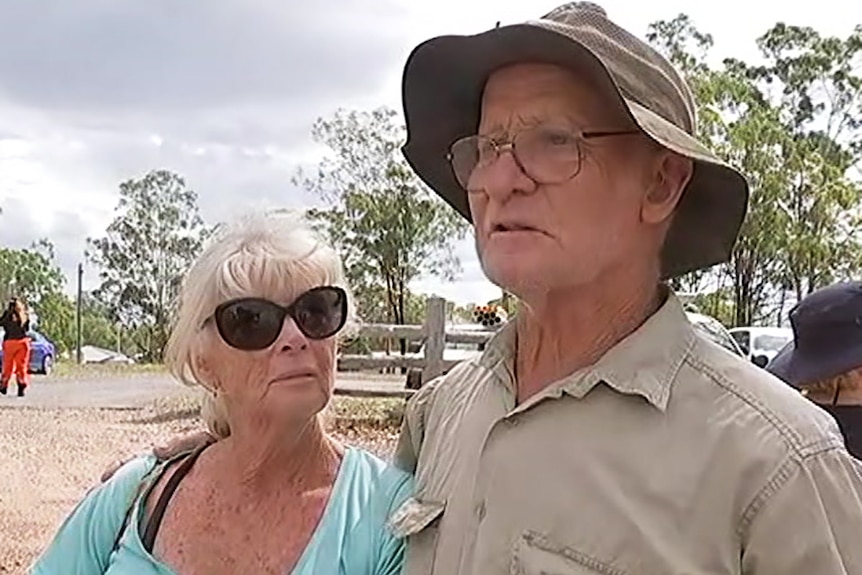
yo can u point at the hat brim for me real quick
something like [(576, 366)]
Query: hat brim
[(443, 82), (799, 369)]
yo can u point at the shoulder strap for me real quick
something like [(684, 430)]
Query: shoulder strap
[(155, 520), (143, 487)]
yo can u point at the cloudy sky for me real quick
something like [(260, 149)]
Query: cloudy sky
[(93, 92)]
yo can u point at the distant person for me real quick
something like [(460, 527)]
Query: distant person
[(257, 327), (15, 322), (825, 359)]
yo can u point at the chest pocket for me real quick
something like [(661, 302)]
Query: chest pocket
[(418, 522), (535, 554)]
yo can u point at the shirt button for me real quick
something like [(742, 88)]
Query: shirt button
[(480, 510)]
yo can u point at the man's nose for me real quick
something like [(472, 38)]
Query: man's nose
[(290, 338), (505, 177)]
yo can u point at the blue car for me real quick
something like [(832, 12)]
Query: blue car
[(42, 353)]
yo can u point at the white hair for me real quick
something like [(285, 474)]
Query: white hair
[(275, 255)]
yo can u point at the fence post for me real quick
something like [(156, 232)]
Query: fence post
[(435, 337)]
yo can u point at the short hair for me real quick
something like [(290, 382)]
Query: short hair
[(843, 382), (275, 255)]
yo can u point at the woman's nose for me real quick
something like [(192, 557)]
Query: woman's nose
[(291, 338)]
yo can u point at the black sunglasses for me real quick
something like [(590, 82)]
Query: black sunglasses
[(255, 323)]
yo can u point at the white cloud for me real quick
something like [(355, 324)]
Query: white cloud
[(226, 92)]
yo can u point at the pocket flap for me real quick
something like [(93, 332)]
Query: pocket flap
[(414, 515), (537, 553)]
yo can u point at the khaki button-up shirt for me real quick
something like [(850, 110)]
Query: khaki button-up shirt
[(668, 456)]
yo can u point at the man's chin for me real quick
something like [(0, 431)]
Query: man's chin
[(516, 277)]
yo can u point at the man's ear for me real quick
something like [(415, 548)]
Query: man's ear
[(671, 176)]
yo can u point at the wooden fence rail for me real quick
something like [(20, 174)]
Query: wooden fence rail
[(433, 333)]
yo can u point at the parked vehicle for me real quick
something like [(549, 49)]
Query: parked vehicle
[(714, 331), (42, 353), (761, 344)]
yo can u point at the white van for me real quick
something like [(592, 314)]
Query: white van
[(761, 344)]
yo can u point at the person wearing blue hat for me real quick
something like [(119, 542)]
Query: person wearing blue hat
[(824, 360)]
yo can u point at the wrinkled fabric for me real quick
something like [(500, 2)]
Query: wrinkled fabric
[(351, 538), (669, 455)]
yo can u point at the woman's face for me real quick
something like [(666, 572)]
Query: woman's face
[(289, 381)]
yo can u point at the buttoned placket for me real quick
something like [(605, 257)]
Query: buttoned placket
[(499, 431), (496, 433)]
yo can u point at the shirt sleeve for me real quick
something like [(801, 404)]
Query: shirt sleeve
[(413, 427), (810, 519), (391, 554), (86, 538)]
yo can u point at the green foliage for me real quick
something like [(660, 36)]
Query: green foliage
[(718, 304), (388, 226), (99, 329), (57, 321), (792, 126), (155, 235), (30, 273), (819, 96), (33, 275)]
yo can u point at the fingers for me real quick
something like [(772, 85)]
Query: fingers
[(111, 469), (183, 443), (174, 447)]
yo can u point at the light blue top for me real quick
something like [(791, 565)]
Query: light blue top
[(351, 538)]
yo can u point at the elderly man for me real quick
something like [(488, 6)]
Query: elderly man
[(597, 433)]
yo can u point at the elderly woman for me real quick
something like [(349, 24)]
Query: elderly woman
[(824, 360), (257, 327)]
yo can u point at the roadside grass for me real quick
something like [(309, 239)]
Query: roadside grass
[(70, 369), (343, 413)]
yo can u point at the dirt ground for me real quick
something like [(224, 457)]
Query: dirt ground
[(49, 458)]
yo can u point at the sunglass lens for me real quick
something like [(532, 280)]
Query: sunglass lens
[(250, 324), (319, 313)]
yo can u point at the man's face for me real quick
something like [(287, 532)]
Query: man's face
[(538, 237)]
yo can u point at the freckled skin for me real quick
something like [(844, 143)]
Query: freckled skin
[(587, 268), (213, 531), (251, 502), (590, 221)]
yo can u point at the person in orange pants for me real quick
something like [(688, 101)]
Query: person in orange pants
[(16, 346)]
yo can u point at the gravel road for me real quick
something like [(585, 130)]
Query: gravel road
[(129, 391), (55, 442)]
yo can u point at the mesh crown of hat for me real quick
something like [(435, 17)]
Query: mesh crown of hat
[(639, 70)]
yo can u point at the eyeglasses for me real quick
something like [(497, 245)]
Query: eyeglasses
[(255, 323), (547, 155)]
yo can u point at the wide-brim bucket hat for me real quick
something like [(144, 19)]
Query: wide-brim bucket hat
[(444, 79), (827, 336)]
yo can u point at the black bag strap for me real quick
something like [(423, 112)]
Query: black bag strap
[(154, 521), (146, 484), (142, 487)]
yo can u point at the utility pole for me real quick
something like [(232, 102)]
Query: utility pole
[(78, 313)]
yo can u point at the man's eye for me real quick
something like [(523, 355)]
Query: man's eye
[(558, 139)]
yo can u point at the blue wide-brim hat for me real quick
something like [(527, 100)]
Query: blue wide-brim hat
[(827, 329)]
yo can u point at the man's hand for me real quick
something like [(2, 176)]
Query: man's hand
[(175, 446)]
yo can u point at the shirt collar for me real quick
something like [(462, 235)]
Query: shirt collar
[(645, 363)]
